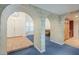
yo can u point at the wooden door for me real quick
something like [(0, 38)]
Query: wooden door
[(71, 31)]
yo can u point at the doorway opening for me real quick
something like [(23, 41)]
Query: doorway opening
[(47, 27), (69, 29), (19, 26), (47, 33)]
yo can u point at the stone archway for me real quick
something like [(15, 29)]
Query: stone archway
[(39, 41)]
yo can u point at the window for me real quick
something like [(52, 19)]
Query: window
[(29, 26)]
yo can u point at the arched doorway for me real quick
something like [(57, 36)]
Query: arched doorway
[(19, 25), (47, 27), (4, 16), (47, 33)]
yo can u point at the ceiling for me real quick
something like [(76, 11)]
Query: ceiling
[(58, 8)]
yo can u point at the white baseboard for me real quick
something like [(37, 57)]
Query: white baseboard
[(61, 43), (41, 51)]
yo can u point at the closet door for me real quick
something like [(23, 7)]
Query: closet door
[(71, 31)]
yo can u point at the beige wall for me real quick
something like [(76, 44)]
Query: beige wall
[(16, 24), (40, 34), (2, 38), (66, 30), (47, 23), (76, 29), (57, 29)]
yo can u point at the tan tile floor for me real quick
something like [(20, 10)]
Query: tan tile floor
[(17, 43), (73, 42)]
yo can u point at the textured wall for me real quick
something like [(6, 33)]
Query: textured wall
[(47, 23), (76, 29), (2, 38), (39, 41), (16, 24), (57, 29)]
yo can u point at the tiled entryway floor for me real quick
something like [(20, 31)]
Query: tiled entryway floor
[(73, 42)]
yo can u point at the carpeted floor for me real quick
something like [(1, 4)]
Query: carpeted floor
[(51, 49)]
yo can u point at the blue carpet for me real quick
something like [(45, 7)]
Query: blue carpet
[(51, 49)]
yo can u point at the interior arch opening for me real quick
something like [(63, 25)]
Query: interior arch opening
[(47, 27), (47, 31), (19, 26)]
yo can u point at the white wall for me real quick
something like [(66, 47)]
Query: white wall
[(17, 24), (47, 23), (29, 25), (76, 29), (57, 29), (39, 37)]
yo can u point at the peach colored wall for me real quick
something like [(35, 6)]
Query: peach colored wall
[(66, 30)]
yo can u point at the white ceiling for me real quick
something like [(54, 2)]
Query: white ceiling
[(59, 8)]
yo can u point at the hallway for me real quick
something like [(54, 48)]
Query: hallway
[(51, 49)]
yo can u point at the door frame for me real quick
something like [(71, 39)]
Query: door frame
[(67, 29)]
